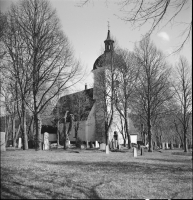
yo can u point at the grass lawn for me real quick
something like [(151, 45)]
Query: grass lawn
[(91, 174)]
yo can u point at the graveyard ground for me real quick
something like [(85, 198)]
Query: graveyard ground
[(88, 174)]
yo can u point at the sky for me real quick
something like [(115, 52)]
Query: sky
[(86, 27)]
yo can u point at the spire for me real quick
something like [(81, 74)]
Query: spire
[(108, 42)]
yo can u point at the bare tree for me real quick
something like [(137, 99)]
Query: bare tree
[(183, 89), (48, 57), (156, 12), (80, 107), (127, 73), (153, 88)]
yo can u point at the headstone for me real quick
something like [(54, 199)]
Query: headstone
[(119, 146), (163, 145), (96, 144), (2, 141), (82, 146), (179, 146), (87, 144), (171, 145), (167, 145), (142, 151), (19, 143), (46, 141), (107, 149), (134, 152), (102, 146)]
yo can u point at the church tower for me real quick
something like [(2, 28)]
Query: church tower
[(100, 67)]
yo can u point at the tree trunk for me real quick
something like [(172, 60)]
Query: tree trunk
[(107, 128), (38, 143), (150, 137), (16, 135), (58, 133), (13, 130), (185, 142), (127, 131), (124, 142), (25, 139)]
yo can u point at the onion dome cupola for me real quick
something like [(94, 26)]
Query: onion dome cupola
[(108, 43), (105, 57)]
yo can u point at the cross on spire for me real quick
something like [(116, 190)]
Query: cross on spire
[(108, 25)]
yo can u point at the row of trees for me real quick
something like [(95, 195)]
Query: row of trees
[(38, 64), (141, 85)]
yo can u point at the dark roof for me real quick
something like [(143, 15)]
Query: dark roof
[(108, 37), (69, 103), (105, 59)]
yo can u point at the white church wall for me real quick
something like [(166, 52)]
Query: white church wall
[(90, 125), (86, 131)]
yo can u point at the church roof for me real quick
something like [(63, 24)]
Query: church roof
[(108, 37), (105, 59), (69, 103)]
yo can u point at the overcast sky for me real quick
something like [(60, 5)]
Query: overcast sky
[(86, 28)]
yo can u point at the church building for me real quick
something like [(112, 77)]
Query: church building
[(87, 106)]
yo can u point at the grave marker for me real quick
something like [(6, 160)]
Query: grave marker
[(163, 145), (2, 142), (102, 146), (134, 152), (96, 144), (167, 145), (46, 141), (87, 144), (107, 149), (171, 145), (19, 143)]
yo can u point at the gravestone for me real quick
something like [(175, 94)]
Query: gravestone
[(163, 145), (119, 146), (134, 152), (167, 145), (171, 145), (46, 141), (102, 146), (96, 144), (19, 143), (107, 149), (142, 151), (2, 141), (87, 144), (179, 146)]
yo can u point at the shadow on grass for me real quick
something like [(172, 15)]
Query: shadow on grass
[(37, 184), (121, 167), (168, 160)]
